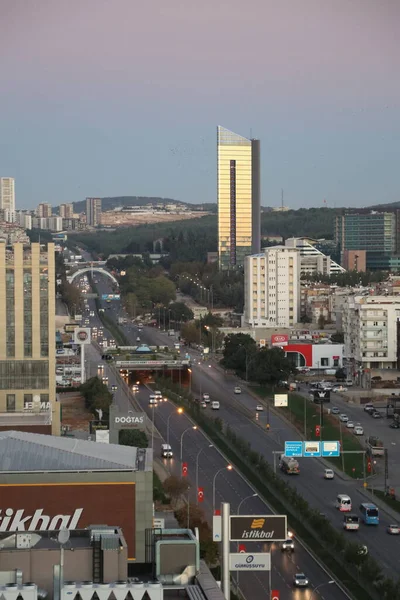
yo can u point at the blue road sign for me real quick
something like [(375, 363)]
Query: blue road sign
[(312, 449), (294, 449), (330, 448)]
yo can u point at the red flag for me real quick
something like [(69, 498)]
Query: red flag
[(184, 469), (275, 595), (200, 494), (317, 430), (242, 548)]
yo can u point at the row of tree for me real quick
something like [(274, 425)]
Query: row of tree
[(97, 397)]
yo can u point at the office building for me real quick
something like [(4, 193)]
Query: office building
[(370, 326), (312, 260), (44, 210), (355, 260), (272, 287), (27, 337), (66, 211), (93, 211), (239, 233), (7, 194)]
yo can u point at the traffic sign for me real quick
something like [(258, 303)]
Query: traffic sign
[(257, 561), (294, 449), (312, 449), (330, 449)]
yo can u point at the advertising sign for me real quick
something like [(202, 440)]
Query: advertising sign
[(294, 449), (129, 420), (258, 561), (82, 335), (279, 340), (280, 400), (217, 528), (312, 449), (269, 528), (263, 343), (322, 395), (47, 507), (102, 436), (330, 448)]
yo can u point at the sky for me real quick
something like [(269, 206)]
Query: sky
[(122, 97)]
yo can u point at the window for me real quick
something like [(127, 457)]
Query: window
[(24, 374), (10, 313), (10, 402), (324, 362), (27, 312), (44, 313)]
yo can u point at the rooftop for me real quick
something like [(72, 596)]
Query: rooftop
[(24, 452)]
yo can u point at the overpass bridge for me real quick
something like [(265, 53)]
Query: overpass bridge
[(91, 268)]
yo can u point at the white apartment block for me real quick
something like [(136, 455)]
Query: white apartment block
[(7, 194), (272, 287), (370, 330), (312, 260)]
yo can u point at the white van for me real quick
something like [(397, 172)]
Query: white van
[(215, 405), (343, 503), (166, 451)]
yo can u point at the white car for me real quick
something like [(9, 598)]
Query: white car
[(91, 314), (259, 408), (206, 397), (358, 430), (329, 474), (238, 390), (350, 425), (215, 405), (344, 418), (339, 388)]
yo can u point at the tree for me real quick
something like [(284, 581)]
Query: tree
[(131, 304), (338, 337), (175, 487), (321, 321), (238, 349), (340, 374), (190, 333), (133, 437), (210, 320), (97, 396), (305, 319), (269, 366)]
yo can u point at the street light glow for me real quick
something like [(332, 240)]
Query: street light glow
[(180, 411)]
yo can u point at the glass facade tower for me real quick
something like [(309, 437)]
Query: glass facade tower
[(238, 198)]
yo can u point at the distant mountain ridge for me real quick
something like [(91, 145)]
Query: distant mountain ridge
[(109, 203)]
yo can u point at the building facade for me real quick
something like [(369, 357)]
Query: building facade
[(93, 211), (66, 211), (27, 333), (272, 287), (238, 191), (370, 327), (44, 210), (312, 260), (355, 260), (7, 194)]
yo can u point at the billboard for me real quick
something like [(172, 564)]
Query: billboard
[(279, 340), (280, 399), (82, 335), (51, 506), (267, 528), (111, 296)]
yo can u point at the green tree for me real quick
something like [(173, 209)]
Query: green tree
[(238, 349), (175, 487), (338, 337), (133, 437), (269, 366), (180, 312), (131, 304), (97, 396), (305, 319), (190, 333), (321, 321)]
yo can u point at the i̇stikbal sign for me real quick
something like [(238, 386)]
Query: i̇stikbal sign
[(22, 520)]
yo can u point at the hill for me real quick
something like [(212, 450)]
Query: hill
[(109, 203)]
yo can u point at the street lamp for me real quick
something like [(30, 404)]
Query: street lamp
[(190, 380), (312, 592), (197, 470), (174, 412), (194, 427), (244, 500), (229, 468)]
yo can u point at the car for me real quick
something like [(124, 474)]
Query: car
[(152, 399), (105, 380), (238, 390), (350, 425), (358, 430), (100, 367), (393, 529), (300, 580), (158, 394), (395, 425), (339, 388), (135, 388), (91, 314), (288, 545), (376, 414), (369, 407), (203, 404), (206, 397), (138, 339), (335, 410), (329, 474), (344, 418), (259, 408), (114, 388), (215, 405)]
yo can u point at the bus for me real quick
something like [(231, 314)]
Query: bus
[(369, 513)]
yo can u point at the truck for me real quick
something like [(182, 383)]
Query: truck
[(289, 465), (375, 446)]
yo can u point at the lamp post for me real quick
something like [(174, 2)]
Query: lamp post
[(197, 470), (193, 427), (238, 512), (190, 380), (312, 592), (152, 425), (229, 468), (174, 412)]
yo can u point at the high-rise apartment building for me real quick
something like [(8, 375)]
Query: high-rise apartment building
[(66, 211), (7, 197), (239, 229), (371, 326), (27, 335), (93, 211), (272, 287), (44, 210)]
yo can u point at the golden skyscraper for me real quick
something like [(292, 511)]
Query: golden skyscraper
[(238, 198)]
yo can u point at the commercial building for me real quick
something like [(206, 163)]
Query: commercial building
[(93, 211), (312, 260), (370, 326), (355, 260), (315, 356), (7, 194), (238, 192), (66, 211), (44, 210), (49, 482), (27, 337), (272, 287)]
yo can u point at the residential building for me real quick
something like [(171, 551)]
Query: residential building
[(44, 210), (7, 194), (55, 223), (39, 222), (312, 260), (93, 211), (27, 334), (355, 260), (238, 179), (24, 219), (370, 326), (11, 233), (272, 287), (66, 211)]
